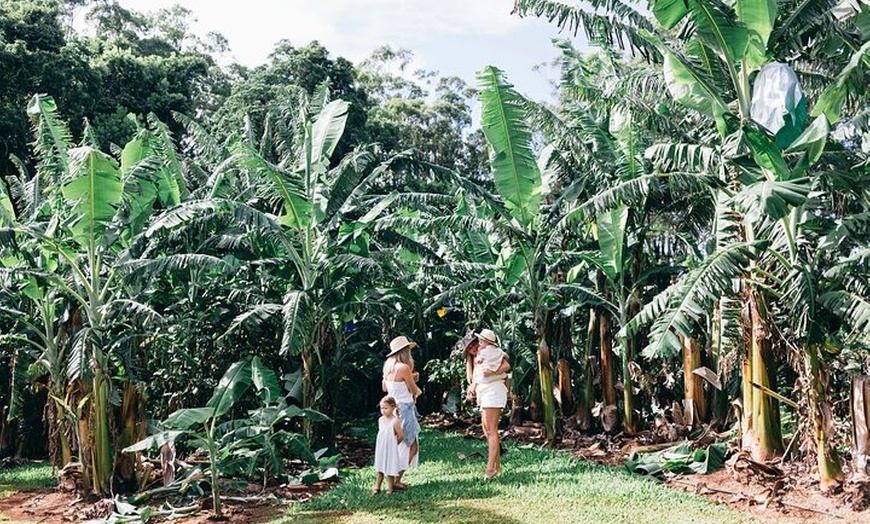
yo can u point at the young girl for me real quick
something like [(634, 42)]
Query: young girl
[(387, 460)]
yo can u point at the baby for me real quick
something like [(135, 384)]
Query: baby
[(490, 358)]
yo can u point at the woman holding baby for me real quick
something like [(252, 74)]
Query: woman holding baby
[(486, 369)]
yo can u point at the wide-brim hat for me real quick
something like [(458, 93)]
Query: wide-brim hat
[(400, 343), (466, 342), (488, 335)]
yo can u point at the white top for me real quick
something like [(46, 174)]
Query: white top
[(387, 459), (399, 391), (489, 357)]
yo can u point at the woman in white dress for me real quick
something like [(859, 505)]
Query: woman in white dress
[(400, 382), (387, 460), (490, 388)]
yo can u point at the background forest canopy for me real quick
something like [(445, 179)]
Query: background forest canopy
[(132, 63), (176, 233)]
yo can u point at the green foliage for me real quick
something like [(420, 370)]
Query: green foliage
[(514, 168), (680, 459), (239, 446)]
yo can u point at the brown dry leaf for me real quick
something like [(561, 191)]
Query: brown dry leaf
[(737, 497), (709, 375)]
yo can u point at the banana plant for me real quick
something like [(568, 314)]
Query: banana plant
[(308, 230), (89, 197), (225, 441), (772, 188)]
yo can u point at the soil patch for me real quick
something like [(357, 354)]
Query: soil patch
[(251, 504)]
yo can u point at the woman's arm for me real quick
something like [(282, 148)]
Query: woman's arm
[(403, 373)]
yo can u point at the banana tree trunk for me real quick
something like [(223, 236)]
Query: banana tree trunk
[(565, 391), (102, 466), (830, 471), (629, 421), (585, 399), (694, 402), (762, 434), (307, 391), (328, 403), (609, 419), (859, 405), (720, 394), (545, 376), (133, 429), (59, 444)]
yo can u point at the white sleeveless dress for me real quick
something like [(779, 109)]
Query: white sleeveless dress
[(387, 457)]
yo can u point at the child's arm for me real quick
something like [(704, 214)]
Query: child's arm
[(503, 367), (397, 428)]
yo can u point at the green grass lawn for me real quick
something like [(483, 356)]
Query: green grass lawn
[(31, 477), (536, 486)]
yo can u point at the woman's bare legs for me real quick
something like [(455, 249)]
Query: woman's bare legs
[(489, 421), (412, 452)]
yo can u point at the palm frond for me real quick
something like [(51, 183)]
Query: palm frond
[(395, 238), (620, 28), (680, 307), (53, 139), (256, 316), (147, 269), (297, 322), (852, 308), (691, 158)]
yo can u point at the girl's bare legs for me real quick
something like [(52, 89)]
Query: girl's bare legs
[(378, 483), (391, 480), (489, 421)]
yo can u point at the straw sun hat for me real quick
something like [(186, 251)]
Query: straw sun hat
[(400, 343), (488, 335)]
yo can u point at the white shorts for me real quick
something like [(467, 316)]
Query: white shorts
[(492, 394)]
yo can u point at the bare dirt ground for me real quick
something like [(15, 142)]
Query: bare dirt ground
[(251, 505), (771, 493)]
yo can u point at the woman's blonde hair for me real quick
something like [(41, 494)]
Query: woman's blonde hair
[(403, 356), (469, 358)]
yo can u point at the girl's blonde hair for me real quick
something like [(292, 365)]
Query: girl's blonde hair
[(403, 356), (389, 401)]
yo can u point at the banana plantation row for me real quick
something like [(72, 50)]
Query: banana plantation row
[(699, 206)]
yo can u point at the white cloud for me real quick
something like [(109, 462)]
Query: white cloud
[(452, 36)]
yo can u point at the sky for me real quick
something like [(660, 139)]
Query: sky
[(452, 37)]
